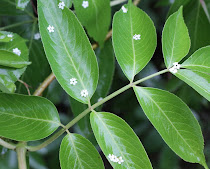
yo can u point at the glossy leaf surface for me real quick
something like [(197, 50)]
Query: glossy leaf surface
[(106, 63), (27, 118), (8, 75), (10, 59), (196, 21), (21, 4), (115, 136), (133, 52), (95, 16), (175, 39), (68, 50), (200, 81), (199, 61), (78, 152), (174, 121)]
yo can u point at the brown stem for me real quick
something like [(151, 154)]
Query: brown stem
[(26, 86)]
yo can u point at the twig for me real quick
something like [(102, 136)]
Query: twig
[(7, 145), (34, 8), (26, 86)]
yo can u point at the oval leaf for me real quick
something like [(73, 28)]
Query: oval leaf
[(134, 39), (199, 81), (78, 152), (174, 121), (199, 61), (27, 118), (95, 16), (10, 59), (68, 50), (115, 137), (175, 39)]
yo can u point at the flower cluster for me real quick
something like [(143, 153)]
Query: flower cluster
[(17, 51), (61, 5), (175, 68), (137, 37), (124, 9), (115, 159), (85, 4)]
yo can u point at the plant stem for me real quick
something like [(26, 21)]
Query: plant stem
[(117, 2), (7, 145), (15, 25), (85, 112), (21, 155)]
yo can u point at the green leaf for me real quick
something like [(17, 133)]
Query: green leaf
[(27, 118), (196, 21), (199, 61), (133, 55), (106, 63), (115, 136), (197, 80), (78, 152), (96, 17), (68, 3), (175, 39), (174, 121), (21, 4), (4, 37), (68, 50), (9, 75), (12, 60)]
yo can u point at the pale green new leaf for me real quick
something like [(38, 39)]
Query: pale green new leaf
[(21, 4), (199, 61), (200, 81), (115, 137), (10, 59), (96, 17), (133, 54), (27, 118), (68, 50), (77, 152), (9, 75), (175, 39), (174, 121)]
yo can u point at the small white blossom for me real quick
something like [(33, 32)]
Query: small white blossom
[(124, 9), (73, 81), (173, 70), (115, 159), (137, 37), (100, 99), (176, 65), (84, 93), (61, 5), (51, 28), (85, 4), (2, 36), (10, 36), (37, 36), (17, 51)]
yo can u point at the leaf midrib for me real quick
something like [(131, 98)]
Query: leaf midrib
[(168, 120), (30, 118)]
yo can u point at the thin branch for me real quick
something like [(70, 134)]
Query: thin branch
[(26, 86), (117, 2), (21, 155), (7, 145)]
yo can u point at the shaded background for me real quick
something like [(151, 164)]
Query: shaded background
[(124, 105)]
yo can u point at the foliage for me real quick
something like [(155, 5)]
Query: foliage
[(61, 36)]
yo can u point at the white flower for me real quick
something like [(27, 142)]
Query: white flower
[(17, 51), (173, 70), (124, 9), (100, 99), (85, 4), (137, 37), (73, 81), (37, 36), (115, 159), (176, 65), (61, 5), (2, 36), (84, 93), (10, 36), (50, 28)]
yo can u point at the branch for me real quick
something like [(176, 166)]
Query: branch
[(7, 145)]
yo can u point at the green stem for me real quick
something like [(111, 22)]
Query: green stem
[(85, 112), (21, 155), (7, 145), (117, 2), (15, 25)]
